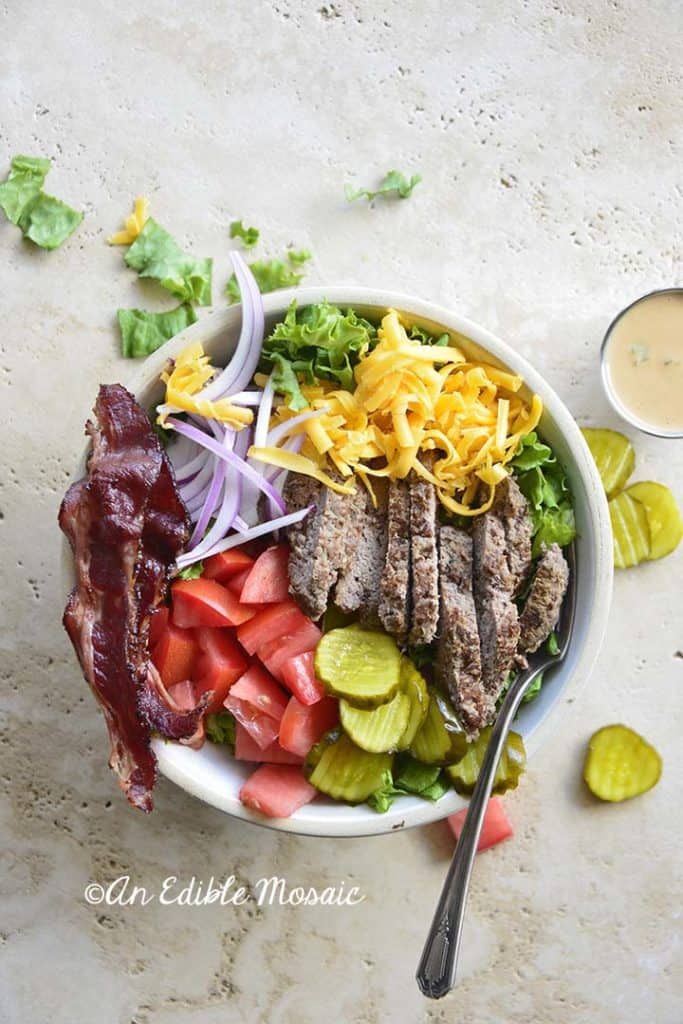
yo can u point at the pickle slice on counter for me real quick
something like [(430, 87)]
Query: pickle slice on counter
[(630, 531), (663, 516), (614, 457), (620, 764), (361, 665), (377, 730), (337, 767), (511, 765), (414, 686), (440, 739)]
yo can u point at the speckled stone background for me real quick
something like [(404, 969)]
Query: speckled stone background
[(549, 138)]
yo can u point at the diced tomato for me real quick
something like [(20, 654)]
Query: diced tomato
[(298, 675), (206, 603), (220, 664), (262, 728), (495, 829), (268, 580), (175, 655), (275, 653), (268, 624), (183, 694), (247, 749), (260, 690), (277, 790), (225, 565), (158, 624), (236, 582), (303, 725)]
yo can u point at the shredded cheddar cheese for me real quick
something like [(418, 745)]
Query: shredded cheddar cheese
[(134, 223), (411, 399), (190, 371)]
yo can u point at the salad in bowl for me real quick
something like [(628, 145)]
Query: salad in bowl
[(313, 545)]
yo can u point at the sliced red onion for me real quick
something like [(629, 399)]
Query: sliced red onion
[(198, 483), (274, 436), (240, 538), (294, 444), (263, 416), (231, 458), (188, 470), (247, 398), (213, 494)]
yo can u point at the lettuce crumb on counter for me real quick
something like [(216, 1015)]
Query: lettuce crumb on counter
[(249, 236), (143, 333), (156, 254), (43, 219), (394, 183), (273, 274)]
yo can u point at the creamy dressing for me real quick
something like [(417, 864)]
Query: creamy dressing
[(643, 360)]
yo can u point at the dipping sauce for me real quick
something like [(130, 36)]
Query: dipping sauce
[(642, 361)]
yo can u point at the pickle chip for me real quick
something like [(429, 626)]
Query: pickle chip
[(614, 457), (362, 665), (620, 764), (663, 516), (630, 531), (440, 739), (337, 767), (511, 765), (415, 688), (377, 730)]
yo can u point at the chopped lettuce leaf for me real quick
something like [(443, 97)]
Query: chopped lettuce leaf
[(272, 274), (319, 342), (411, 778), (542, 480), (220, 728), (24, 182), (155, 253), (143, 333), (249, 236), (551, 645), (394, 183), (43, 219), (425, 338), (531, 694), (192, 572), (553, 526)]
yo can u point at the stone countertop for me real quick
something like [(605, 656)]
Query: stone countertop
[(549, 140)]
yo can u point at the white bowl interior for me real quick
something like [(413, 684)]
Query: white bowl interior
[(210, 773)]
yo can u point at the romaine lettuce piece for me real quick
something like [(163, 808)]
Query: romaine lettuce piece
[(143, 333), (155, 253)]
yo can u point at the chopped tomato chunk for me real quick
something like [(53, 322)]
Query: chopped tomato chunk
[(223, 566), (298, 675), (236, 582), (247, 749), (262, 728), (268, 580), (303, 725), (175, 655), (220, 664), (206, 603), (277, 790), (270, 623), (260, 690), (275, 653), (183, 694), (495, 829)]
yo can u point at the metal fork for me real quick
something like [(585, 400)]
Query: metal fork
[(437, 968)]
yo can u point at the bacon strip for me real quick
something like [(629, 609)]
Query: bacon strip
[(126, 525)]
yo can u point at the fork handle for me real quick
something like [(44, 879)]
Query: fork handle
[(437, 967)]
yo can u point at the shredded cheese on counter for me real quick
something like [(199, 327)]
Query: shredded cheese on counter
[(190, 371), (134, 223), (412, 399)]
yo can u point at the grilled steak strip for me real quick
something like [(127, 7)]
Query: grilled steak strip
[(458, 658), (424, 561), (511, 506), (358, 587), (496, 612), (394, 604), (544, 601)]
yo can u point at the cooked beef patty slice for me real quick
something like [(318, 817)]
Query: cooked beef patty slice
[(394, 603), (542, 607), (318, 544), (365, 531), (512, 509), (496, 611), (424, 561)]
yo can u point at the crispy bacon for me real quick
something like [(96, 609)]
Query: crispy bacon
[(126, 525)]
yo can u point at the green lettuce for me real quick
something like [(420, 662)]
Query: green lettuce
[(408, 778), (273, 274), (319, 342), (42, 218), (192, 572), (155, 253), (394, 183), (220, 728), (143, 333), (249, 236), (543, 482)]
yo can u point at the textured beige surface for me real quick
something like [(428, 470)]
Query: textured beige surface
[(549, 137)]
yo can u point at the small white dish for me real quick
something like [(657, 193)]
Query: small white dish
[(210, 773)]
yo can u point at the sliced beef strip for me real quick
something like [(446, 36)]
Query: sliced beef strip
[(358, 587), (458, 658), (542, 607), (496, 612), (511, 506), (424, 561), (394, 605)]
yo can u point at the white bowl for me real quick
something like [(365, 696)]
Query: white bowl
[(210, 773)]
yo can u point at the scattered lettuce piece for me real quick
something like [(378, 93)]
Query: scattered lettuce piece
[(409, 777), (314, 343), (43, 219), (393, 183), (192, 572), (143, 333), (273, 274), (543, 482), (220, 728), (155, 253), (249, 236)]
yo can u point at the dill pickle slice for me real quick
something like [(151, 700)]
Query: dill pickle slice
[(663, 516), (614, 457), (361, 665), (440, 739), (620, 764), (630, 532), (337, 767), (414, 686), (378, 730), (512, 763)]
